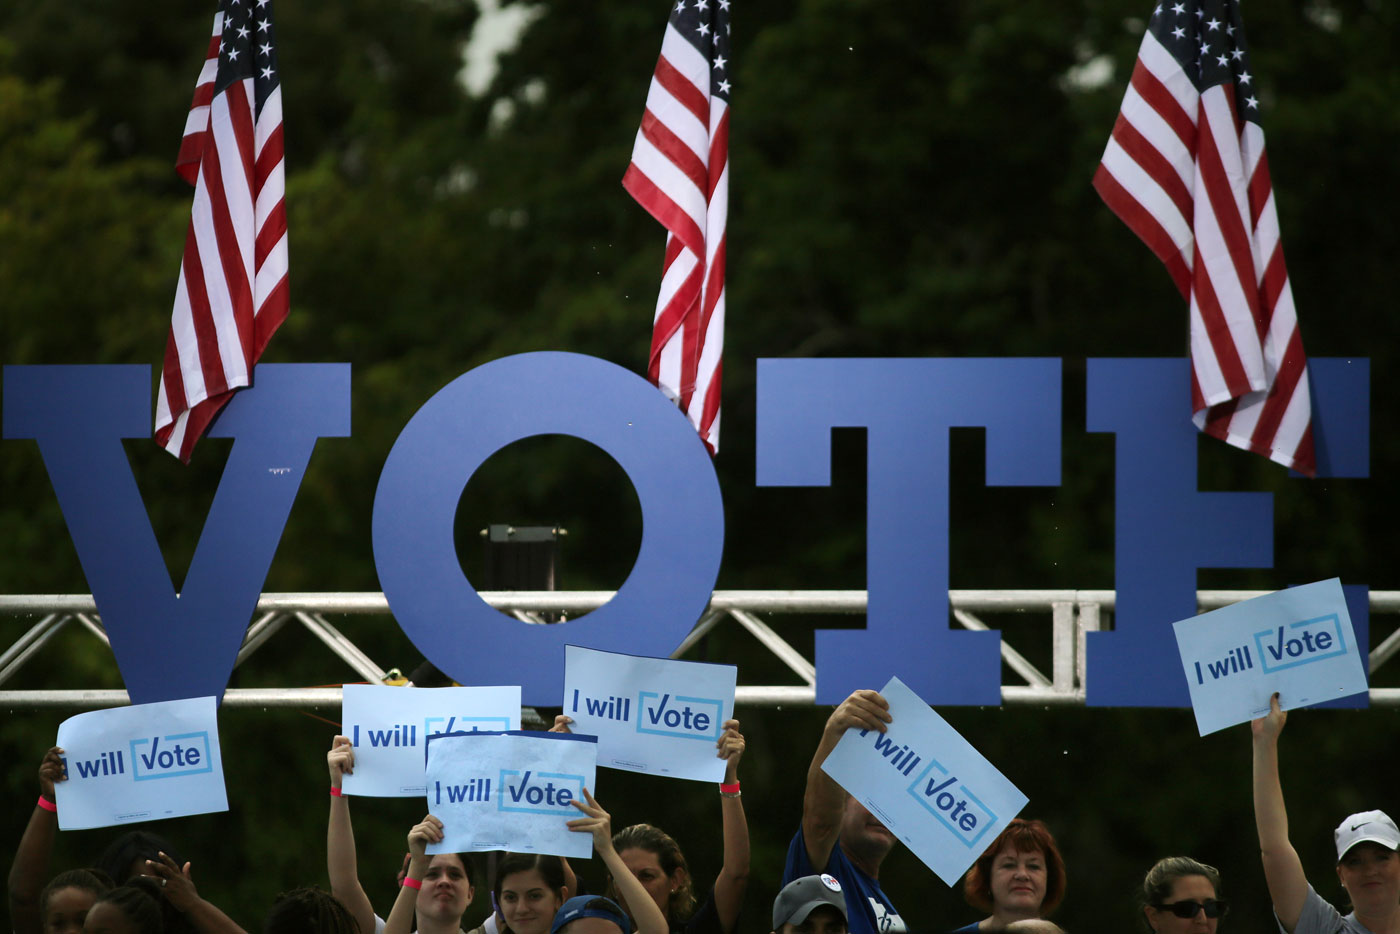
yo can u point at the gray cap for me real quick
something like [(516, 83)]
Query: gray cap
[(800, 897)]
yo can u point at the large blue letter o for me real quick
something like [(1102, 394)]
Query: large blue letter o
[(497, 404)]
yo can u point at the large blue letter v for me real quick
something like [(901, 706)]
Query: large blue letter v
[(170, 645)]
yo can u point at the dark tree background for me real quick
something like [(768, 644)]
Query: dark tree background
[(908, 180)]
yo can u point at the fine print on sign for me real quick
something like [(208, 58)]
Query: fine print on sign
[(1296, 642), (927, 784), (510, 791), (650, 715), (390, 727), (140, 763)]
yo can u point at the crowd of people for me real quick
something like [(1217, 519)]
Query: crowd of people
[(830, 883)]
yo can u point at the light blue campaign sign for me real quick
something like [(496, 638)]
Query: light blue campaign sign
[(927, 784), (389, 728), (1297, 642), (651, 715), (140, 763), (510, 791)]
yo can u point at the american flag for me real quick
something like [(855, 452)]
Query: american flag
[(1185, 168), (232, 291), (680, 174)]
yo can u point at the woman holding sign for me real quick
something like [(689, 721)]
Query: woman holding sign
[(30, 868), (1367, 863), (440, 904), (655, 859), (522, 907), (646, 913)]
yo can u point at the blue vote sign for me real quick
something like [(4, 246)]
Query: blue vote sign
[(389, 728), (1296, 642), (510, 791), (650, 715), (140, 763), (928, 785)]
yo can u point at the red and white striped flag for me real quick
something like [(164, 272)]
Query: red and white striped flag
[(680, 174), (1185, 169), (232, 291)]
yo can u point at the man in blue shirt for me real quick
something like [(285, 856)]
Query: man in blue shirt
[(838, 835)]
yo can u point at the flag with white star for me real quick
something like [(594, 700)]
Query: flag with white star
[(1185, 169), (232, 291), (680, 173)]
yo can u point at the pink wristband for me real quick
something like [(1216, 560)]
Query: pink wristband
[(413, 883), (335, 792), (47, 805), (728, 789)]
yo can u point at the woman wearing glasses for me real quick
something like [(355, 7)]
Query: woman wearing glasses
[(1181, 896), (1367, 863)]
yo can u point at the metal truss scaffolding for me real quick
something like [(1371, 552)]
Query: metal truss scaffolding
[(31, 621)]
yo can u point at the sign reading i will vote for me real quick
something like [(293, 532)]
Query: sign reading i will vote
[(389, 728), (650, 715), (1298, 642), (510, 791), (140, 763), (926, 784)]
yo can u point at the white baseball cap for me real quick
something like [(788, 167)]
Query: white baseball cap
[(1366, 827)]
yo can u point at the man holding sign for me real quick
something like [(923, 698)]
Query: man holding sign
[(839, 836)]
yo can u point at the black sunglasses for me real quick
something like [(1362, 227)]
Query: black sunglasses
[(1213, 907)]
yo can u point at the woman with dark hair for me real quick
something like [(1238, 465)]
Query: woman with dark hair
[(130, 854), (1181, 896), (309, 910), (31, 864), (30, 901), (134, 908), (655, 859), (646, 914), (1368, 865), (66, 900), (183, 908), (444, 891), (529, 889), (1020, 876), (433, 903)]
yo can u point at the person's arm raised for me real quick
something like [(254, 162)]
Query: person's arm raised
[(177, 886), (342, 864), (598, 822), (1283, 870), (824, 801), (733, 877), (30, 869), (428, 830)]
